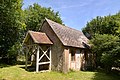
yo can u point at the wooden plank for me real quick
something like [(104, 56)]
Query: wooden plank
[(41, 57), (41, 49), (29, 45), (44, 53), (37, 60), (47, 56), (50, 60), (26, 62), (66, 60), (30, 61), (41, 63)]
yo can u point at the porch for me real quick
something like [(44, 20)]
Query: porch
[(37, 50)]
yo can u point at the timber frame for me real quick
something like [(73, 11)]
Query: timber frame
[(35, 49), (59, 40)]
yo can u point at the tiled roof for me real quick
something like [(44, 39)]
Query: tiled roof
[(39, 37), (68, 36)]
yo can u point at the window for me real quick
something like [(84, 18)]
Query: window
[(72, 55)]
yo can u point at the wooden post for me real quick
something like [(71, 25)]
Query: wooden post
[(26, 56), (66, 60), (37, 60), (50, 60)]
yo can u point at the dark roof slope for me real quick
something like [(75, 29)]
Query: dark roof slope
[(39, 37), (68, 36)]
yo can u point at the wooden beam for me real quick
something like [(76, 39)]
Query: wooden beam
[(37, 60), (50, 60), (44, 53), (41, 57), (25, 45), (47, 56), (26, 56), (41, 63), (30, 61)]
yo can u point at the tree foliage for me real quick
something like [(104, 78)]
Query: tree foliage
[(105, 40), (103, 25), (107, 49), (10, 24), (35, 15), (15, 22)]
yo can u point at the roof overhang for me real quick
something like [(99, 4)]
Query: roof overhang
[(37, 37)]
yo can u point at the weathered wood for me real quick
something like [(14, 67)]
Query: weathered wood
[(30, 61), (44, 53), (50, 60), (66, 60), (78, 60), (26, 58), (47, 56), (26, 61), (31, 45), (37, 60), (41, 63), (38, 63), (38, 52), (57, 48)]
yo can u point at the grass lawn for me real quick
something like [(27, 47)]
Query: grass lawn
[(18, 73)]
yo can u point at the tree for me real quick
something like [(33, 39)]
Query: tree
[(104, 34), (36, 14), (14, 22), (107, 49), (10, 24), (104, 25)]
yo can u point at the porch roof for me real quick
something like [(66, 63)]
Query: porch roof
[(38, 37)]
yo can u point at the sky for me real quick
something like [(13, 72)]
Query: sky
[(76, 13)]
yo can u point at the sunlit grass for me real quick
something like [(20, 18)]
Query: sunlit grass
[(18, 73)]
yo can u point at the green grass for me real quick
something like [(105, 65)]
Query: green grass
[(18, 73)]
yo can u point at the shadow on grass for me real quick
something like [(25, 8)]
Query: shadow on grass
[(2, 64), (20, 62), (104, 76), (32, 68), (29, 68)]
